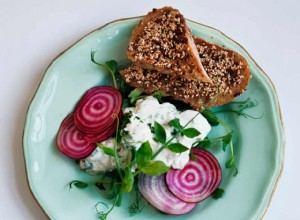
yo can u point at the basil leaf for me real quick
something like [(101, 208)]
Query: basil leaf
[(106, 150), (191, 132), (211, 117), (154, 168), (226, 140), (177, 148), (160, 133), (175, 124), (143, 154), (127, 180), (112, 65), (78, 184), (218, 193)]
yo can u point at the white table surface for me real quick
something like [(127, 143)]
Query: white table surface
[(33, 32)]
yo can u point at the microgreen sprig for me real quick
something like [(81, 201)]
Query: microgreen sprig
[(239, 107), (179, 148), (103, 215), (137, 94), (111, 66), (226, 139)]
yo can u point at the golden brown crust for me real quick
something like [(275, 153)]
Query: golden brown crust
[(228, 70), (163, 42)]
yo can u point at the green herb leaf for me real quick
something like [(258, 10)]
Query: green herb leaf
[(204, 144), (127, 180), (143, 154), (135, 94), (218, 193), (211, 117), (112, 66), (177, 148), (226, 140), (175, 123), (154, 168), (160, 133), (158, 95), (78, 184), (106, 150), (239, 107), (229, 163), (191, 132)]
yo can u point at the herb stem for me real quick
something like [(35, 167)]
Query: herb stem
[(230, 144), (136, 172), (117, 159), (105, 67), (99, 181)]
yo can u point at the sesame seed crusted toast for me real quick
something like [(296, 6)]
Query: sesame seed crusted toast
[(228, 70), (162, 41)]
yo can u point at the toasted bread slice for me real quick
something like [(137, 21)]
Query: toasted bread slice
[(228, 70), (163, 42)]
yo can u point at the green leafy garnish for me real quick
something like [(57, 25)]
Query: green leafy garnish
[(78, 184), (158, 95), (135, 94), (226, 140), (175, 123), (239, 107), (103, 215), (177, 148), (143, 154), (154, 168), (203, 144), (111, 66), (128, 180), (106, 150), (160, 133), (191, 132), (188, 132), (211, 117), (145, 164), (218, 193)]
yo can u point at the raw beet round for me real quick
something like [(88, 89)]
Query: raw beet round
[(95, 111), (71, 141), (156, 192), (197, 180)]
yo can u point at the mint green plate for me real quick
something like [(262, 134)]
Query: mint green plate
[(259, 143)]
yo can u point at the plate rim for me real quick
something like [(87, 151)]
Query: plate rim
[(197, 23)]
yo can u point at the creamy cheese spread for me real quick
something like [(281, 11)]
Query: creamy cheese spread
[(99, 162), (142, 118)]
